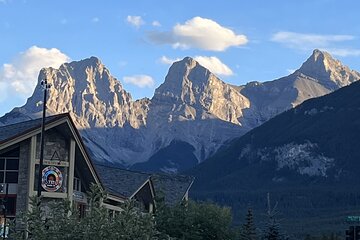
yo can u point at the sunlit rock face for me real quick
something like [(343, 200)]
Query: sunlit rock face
[(88, 91), (192, 106), (328, 71)]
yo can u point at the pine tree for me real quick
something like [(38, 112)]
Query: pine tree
[(248, 230), (272, 231)]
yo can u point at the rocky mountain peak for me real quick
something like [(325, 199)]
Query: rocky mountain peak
[(87, 90), (318, 61), (328, 71), (185, 79), (188, 61), (91, 61), (196, 93), (93, 71)]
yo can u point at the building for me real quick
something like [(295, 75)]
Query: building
[(69, 170), (145, 187)]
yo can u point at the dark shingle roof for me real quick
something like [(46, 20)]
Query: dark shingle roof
[(125, 183), (173, 187), (119, 181), (8, 132)]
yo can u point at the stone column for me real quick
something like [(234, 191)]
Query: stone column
[(71, 169)]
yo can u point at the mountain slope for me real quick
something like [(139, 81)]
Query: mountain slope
[(307, 157), (325, 128), (192, 108), (261, 101)]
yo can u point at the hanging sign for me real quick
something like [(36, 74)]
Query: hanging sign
[(51, 179)]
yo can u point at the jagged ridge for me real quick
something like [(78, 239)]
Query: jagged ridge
[(192, 106)]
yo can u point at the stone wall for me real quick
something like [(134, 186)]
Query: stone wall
[(23, 179), (53, 142)]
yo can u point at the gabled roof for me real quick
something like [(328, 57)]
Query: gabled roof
[(173, 187), (15, 133), (11, 131), (120, 181), (126, 183)]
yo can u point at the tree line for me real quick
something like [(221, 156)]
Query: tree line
[(185, 221)]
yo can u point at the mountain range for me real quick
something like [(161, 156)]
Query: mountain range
[(307, 158), (192, 114)]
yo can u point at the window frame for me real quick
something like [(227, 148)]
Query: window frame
[(77, 184), (5, 170)]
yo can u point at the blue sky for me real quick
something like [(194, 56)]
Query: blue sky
[(240, 41)]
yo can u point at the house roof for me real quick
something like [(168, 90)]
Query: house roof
[(120, 181), (10, 134), (117, 181), (125, 182), (173, 187), (11, 131)]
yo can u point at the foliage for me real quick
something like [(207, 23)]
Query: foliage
[(272, 231), (248, 230), (57, 220), (195, 221)]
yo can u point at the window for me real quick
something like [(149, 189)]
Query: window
[(81, 209), (77, 184), (9, 169), (10, 204)]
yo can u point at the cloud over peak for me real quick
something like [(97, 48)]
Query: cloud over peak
[(20, 76), (301, 40), (308, 42), (199, 33), (214, 64), (166, 60)]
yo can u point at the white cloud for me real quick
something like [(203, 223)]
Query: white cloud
[(169, 61), (136, 21), (19, 77), (95, 19), (214, 65), (309, 42), (156, 24), (343, 52), (304, 41), (199, 33), (140, 80)]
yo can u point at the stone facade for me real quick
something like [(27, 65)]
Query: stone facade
[(56, 148), (53, 143), (23, 179)]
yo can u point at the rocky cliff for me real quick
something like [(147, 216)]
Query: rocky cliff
[(193, 110)]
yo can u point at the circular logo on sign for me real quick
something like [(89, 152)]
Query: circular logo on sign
[(51, 179)]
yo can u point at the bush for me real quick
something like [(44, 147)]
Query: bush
[(195, 221), (58, 221)]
